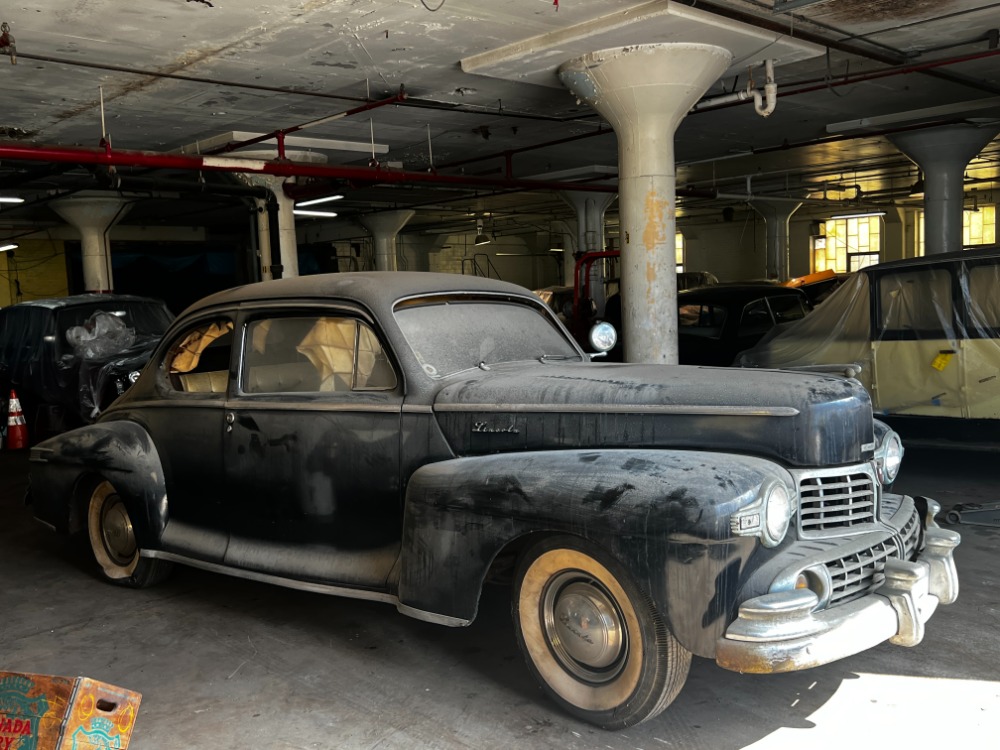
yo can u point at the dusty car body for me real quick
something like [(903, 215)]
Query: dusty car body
[(715, 323), (404, 437), (69, 357), (925, 335)]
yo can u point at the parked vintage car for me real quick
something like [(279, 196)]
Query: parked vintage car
[(69, 357), (715, 323), (404, 437), (924, 335)]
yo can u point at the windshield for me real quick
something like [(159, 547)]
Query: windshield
[(454, 334)]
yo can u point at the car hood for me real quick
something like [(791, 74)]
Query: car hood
[(798, 419)]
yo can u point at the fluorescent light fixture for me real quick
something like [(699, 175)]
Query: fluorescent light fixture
[(481, 238), (5, 248), (556, 250), (317, 201), (327, 214), (10, 199), (859, 216)]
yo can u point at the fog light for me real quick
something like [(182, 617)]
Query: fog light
[(817, 580)]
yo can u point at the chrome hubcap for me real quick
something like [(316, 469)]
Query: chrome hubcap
[(584, 627), (116, 531)]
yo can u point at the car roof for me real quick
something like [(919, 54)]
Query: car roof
[(375, 289), (75, 300), (992, 251), (736, 292)]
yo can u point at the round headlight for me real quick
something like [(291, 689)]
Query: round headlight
[(603, 337), (892, 458), (777, 512)]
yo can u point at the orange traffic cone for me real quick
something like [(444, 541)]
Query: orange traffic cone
[(17, 430)]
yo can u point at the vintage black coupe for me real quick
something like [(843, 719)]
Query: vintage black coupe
[(406, 436)]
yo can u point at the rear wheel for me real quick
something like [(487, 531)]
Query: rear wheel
[(592, 639), (113, 541)]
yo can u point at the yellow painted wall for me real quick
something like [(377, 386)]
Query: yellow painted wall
[(37, 270)]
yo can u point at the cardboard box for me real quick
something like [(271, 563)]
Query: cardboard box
[(44, 712)]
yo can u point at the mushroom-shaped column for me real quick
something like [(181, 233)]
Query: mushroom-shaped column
[(384, 228), (288, 246), (93, 216), (590, 208), (776, 215), (643, 91), (942, 153)]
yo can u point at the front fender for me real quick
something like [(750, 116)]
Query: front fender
[(664, 514), (121, 452)]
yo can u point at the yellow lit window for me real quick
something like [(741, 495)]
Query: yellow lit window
[(679, 251), (979, 227), (848, 244)]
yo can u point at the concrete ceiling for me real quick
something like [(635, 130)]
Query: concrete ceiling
[(482, 101)]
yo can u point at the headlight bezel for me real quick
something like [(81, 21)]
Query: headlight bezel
[(888, 458), (769, 516)]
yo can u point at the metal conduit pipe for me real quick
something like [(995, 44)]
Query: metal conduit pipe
[(282, 132), (111, 157), (729, 100), (782, 27)]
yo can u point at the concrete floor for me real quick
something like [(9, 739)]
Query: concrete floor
[(224, 663)]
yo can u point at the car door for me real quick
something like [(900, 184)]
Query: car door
[(312, 449), (917, 344), (187, 427)]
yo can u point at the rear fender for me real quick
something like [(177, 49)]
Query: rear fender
[(663, 514), (121, 452)]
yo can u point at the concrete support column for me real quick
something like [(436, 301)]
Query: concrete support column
[(943, 153), (590, 208), (644, 91), (384, 227), (263, 238), (288, 246), (776, 216), (93, 216)]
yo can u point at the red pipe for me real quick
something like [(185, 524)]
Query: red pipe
[(145, 159)]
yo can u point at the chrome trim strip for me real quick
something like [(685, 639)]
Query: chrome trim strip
[(316, 588), (419, 614), (417, 409), (694, 410), (250, 405), (46, 524)]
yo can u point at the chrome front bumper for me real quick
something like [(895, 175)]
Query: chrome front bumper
[(780, 632)]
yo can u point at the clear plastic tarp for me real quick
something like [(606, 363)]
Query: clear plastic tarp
[(925, 332)]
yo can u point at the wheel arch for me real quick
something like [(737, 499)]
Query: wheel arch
[(66, 468), (640, 506)]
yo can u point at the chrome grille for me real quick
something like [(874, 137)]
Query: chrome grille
[(855, 575), (836, 503), (909, 538)]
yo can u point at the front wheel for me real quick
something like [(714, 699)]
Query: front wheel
[(593, 640), (113, 541)]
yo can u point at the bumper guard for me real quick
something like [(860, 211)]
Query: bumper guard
[(780, 632)]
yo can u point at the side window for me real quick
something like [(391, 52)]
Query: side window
[(701, 320), (310, 354), (198, 361), (756, 319), (915, 301), (787, 308), (984, 300)]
